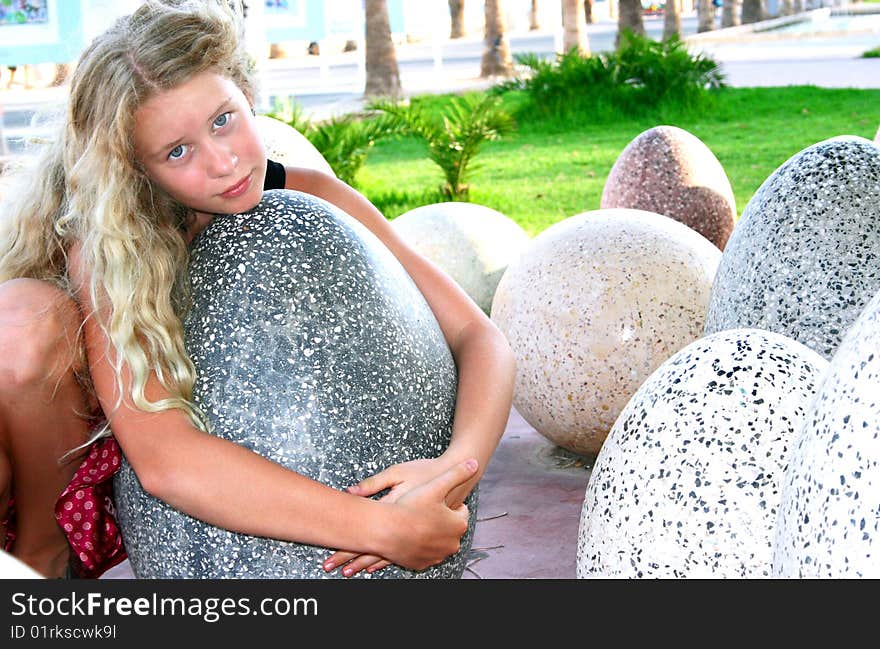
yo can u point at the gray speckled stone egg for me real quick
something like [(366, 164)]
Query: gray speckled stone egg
[(286, 145), (594, 305), (803, 259), (473, 244), (689, 480), (670, 171), (313, 348), (829, 518)]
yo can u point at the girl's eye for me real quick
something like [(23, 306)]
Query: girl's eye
[(177, 152), (222, 120)]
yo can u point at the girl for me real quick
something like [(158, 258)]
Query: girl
[(158, 138)]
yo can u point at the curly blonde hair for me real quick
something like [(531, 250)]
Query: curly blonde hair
[(87, 187)]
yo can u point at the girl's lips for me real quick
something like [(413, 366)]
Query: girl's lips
[(239, 188)]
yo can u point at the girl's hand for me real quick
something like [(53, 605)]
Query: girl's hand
[(423, 488)]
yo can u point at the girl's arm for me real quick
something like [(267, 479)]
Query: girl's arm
[(482, 355), (229, 486)]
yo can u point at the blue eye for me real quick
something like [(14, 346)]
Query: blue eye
[(222, 120), (177, 152)]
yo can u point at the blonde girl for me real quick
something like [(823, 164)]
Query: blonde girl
[(159, 137)]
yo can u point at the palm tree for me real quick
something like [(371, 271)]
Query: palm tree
[(574, 26), (753, 11), (456, 14), (630, 17), (383, 76), (496, 47), (533, 17), (730, 13), (672, 19), (588, 11), (705, 16)]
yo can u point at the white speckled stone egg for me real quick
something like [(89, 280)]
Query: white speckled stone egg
[(473, 244), (803, 259), (689, 480), (594, 305), (288, 146), (313, 348), (670, 171), (829, 518)]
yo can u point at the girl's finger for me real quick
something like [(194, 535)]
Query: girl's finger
[(337, 559), (361, 563)]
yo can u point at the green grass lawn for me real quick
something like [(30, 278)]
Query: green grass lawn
[(552, 169)]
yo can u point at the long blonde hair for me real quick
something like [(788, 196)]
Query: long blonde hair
[(88, 187)]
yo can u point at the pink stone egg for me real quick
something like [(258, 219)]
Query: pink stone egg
[(669, 171)]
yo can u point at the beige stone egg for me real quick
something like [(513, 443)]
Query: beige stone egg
[(471, 243), (669, 171), (288, 146), (594, 305)]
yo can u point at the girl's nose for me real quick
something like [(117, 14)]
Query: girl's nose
[(222, 161)]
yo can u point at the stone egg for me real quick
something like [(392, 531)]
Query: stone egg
[(688, 482), (288, 146), (313, 348), (471, 243), (828, 523), (803, 259), (594, 305), (669, 171)]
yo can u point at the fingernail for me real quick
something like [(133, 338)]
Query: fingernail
[(348, 572), (352, 489), (471, 465), (328, 566)]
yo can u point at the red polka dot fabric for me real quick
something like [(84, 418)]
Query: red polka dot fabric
[(86, 513)]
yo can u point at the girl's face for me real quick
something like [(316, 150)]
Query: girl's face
[(198, 141)]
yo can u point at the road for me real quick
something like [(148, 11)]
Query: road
[(333, 83)]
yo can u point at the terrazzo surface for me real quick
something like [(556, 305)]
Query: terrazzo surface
[(530, 502), (341, 349), (802, 260), (669, 171)]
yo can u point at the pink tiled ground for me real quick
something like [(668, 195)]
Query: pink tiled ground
[(528, 513), (529, 509)]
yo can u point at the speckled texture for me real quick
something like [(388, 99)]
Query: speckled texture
[(829, 519), (669, 171), (688, 482), (288, 146), (803, 259), (313, 348), (471, 243), (594, 305)]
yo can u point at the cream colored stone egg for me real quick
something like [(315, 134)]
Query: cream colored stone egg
[(594, 305)]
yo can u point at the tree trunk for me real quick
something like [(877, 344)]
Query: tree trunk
[(752, 11), (705, 16), (798, 6), (588, 11), (456, 15), (574, 27), (730, 13), (383, 76), (533, 17), (497, 60), (672, 19), (786, 8), (629, 17)]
